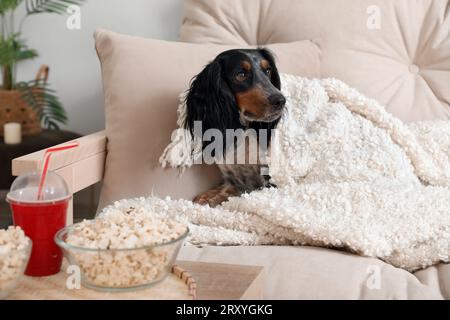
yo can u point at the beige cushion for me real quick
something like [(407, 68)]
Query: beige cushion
[(142, 80), (405, 64), (317, 273)]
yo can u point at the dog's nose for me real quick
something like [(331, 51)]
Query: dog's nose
[(277, 100)]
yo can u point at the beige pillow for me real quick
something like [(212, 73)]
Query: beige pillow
[(142, 79), (397, 52)]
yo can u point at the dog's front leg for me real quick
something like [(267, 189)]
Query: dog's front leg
[(216, 196)]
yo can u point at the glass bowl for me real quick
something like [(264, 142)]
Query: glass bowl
[(121, 269), (12, 268)]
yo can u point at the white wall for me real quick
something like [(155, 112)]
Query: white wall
[(74, 67)]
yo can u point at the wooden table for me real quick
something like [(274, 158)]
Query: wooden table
[(214, 281)]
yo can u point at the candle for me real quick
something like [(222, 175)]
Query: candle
[(12, 133)]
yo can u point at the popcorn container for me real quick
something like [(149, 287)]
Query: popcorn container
[(15, 250), (127, 269), (40, 219)]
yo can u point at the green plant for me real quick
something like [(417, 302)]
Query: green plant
[(13, 49)]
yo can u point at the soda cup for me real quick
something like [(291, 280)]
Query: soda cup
[(40, 218)]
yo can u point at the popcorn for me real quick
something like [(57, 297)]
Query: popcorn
[(134, 248), (14, 254)]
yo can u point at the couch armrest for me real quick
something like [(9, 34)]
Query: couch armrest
[(80, 167)]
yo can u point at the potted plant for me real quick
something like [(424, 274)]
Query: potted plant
[(32, 103)]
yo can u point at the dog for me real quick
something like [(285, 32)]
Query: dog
[(239, 89)]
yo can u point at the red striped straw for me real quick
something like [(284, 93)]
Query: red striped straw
[(47, 155)]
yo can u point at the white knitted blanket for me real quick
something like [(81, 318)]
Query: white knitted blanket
[(349, 175)]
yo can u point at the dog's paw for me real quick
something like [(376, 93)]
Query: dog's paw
[(201, 200), (206, 199)]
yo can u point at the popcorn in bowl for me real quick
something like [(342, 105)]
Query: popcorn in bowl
[(15, 249), (123, 250)]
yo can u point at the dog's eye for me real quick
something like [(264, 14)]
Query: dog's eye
[(241, 75), (268, 71)]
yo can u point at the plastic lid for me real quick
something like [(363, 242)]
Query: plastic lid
[(25, 188)]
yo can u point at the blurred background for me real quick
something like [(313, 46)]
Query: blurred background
[(74, 67), (74, 72)]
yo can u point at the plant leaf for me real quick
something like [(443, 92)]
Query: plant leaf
[(47, 105), (14, 49), (51, 6), (6, 5)]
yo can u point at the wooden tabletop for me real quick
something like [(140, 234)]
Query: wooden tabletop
[(213, 282)]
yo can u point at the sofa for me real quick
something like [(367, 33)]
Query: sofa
[(397, 52)]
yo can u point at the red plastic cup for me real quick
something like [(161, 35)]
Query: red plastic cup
[(40, 219)]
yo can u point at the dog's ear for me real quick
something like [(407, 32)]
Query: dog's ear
[(210, 100), (275, 77)]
